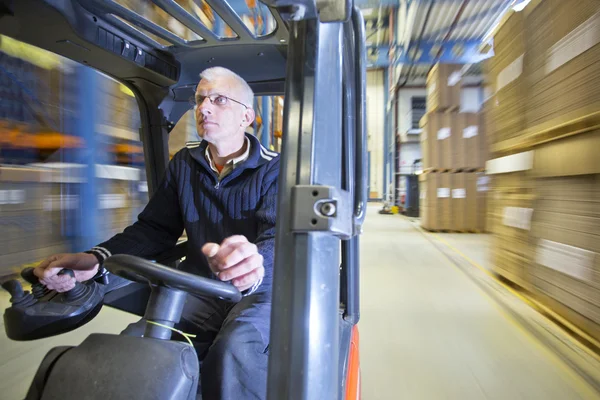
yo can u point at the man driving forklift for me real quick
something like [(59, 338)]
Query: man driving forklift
[(223, 192)]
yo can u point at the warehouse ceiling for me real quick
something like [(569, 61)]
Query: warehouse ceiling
[(410, 36)]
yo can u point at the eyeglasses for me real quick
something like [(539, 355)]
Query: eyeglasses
[(216, 99)]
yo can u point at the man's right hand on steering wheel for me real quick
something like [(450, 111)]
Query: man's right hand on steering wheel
[(84, 265)]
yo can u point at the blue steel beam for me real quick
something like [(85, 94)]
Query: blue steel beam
[(376, 3), (378, 57), (87, 217), (469, 54), (393, 3)]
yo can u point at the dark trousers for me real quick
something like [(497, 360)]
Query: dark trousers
[(232, 342)]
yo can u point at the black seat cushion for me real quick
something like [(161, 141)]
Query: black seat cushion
[(112, 367)]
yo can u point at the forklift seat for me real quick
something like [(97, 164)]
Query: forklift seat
[(101, 368)]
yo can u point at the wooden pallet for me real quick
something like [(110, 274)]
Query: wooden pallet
[(453, 230), (445, 110), (466, 169), (452, 170), (436, 170), (587, 331)]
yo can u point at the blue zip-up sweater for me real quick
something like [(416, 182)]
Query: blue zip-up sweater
[(191, 197)]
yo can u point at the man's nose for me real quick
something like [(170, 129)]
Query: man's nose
[(205, 107)]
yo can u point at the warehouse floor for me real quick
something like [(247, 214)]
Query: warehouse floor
[(429, 327)]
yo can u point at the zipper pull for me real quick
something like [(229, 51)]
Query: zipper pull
[(218, 185)]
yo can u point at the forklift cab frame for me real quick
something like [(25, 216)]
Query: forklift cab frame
[(316, 58)]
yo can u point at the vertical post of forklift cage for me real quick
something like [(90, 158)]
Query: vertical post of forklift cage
[(273, 119), (303, 362), (255, 122), (266, 113), (386, 150)]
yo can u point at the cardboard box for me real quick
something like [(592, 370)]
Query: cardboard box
[(488, 116), (428, 146), (459, 202), (508, 105), (482, 186), (435, 193), (505, 73), (426, 194), (511, 206), (440, 142), (472, 147), (443, 87), (565, 230), (513, 27), (563, 46), (575, 155), (469, 201)]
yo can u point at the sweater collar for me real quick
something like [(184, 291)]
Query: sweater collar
[(258, 155)]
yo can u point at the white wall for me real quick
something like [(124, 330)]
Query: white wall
[(375, 127), (409, 152)]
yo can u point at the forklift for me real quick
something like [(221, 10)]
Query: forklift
[(316, 58)]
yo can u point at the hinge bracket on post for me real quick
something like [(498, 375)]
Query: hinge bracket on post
[(317, 208)]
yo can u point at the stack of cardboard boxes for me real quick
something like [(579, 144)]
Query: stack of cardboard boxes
[(561, 63), (510, 214), (565, 233), (453, 188), (546, 217), (504, 74)]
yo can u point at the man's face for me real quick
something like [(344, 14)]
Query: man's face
[(225, 119)]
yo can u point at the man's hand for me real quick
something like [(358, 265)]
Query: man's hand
[(236, 260), (83, 265)]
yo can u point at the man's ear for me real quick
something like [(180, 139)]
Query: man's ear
[(248, 119)]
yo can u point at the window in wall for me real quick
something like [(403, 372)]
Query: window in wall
[(418, 110)]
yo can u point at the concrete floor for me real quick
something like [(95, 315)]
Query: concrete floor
[(427, 331)]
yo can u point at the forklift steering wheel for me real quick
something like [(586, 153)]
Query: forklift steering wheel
[(144, 271)]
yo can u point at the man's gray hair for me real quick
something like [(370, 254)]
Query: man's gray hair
[(246, 92)]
